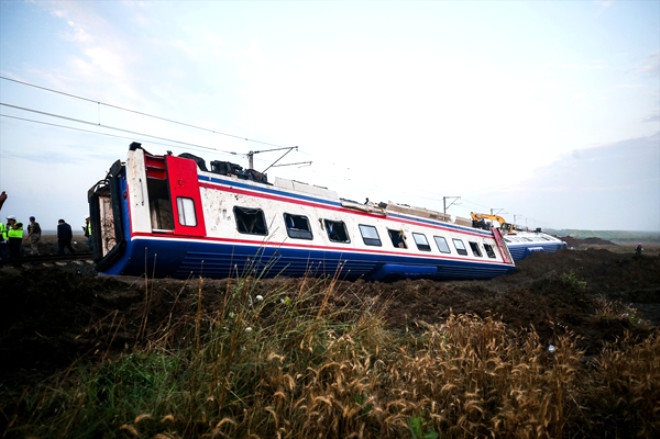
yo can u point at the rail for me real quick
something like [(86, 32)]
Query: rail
[(47, 259)]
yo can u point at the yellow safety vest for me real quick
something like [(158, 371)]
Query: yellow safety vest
[(3, 231), (15, 233)]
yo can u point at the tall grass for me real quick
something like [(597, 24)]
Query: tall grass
[(302, 361)]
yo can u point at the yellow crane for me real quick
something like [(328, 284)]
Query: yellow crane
[(479, 221)]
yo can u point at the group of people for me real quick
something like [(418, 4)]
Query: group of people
[(12, 237)]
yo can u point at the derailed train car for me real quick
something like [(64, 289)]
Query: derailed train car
[(171, 216)]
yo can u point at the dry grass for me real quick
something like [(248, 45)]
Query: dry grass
[(302, 362)]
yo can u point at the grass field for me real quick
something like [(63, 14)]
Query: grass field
[(553, 351)]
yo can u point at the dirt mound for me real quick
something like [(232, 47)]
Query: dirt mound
[(597, 241), (586, 242)]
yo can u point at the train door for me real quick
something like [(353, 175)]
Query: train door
[(174, 199), (504, 250), (186, 201)]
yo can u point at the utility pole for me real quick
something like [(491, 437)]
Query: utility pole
[(444, 203), (492, 210), (288, 149)]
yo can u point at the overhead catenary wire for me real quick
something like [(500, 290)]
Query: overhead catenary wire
[(84, 122), (151, 137), (98, 124), (141, 113), (41, 122)]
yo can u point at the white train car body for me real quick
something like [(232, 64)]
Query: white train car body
[(163, 215)]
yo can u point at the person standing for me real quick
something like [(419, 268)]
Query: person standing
[(64, 237), (34, 235), (87, 228), (4, 253), (14, 238)]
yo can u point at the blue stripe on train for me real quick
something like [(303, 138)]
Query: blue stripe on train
[(520, 252), (182, 259)]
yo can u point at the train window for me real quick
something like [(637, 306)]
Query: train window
[(297, 226), (370, 235), (489, 251), (475, 249), (250, 221), (336, 231), (186, 208), (422, 242), (442, 244), (460, 247), (398, 238)]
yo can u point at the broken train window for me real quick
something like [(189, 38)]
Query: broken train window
[(398, 238), (250, 221), (336, 231)]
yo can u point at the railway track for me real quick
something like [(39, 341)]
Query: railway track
[(53, 260)]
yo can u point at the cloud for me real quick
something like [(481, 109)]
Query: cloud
[(577, 97), (598, 65), (614, 186), (98, 50), (650, 65), (603, 5)]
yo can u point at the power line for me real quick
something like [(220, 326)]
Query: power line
[(117, 107), (71, 119), (95, 132)]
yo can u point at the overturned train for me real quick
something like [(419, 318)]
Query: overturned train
[(170, 216)]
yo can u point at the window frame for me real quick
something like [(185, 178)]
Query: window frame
[(258, 228), (421, 246), (329, 229), (397, 237), (490, 252), (185, 207), (373, 239), (474, 246), (460, 249), (297, 226), (442, 248)]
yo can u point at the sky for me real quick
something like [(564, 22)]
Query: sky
[(544, 112)]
